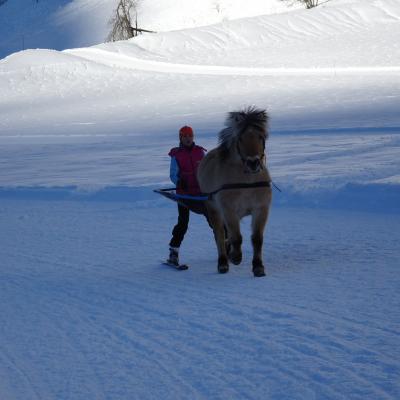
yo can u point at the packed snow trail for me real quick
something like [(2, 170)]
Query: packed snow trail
[(88, 312), (339, 169), (116, 60)]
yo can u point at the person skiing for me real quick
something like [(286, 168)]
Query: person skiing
[(185, 160)]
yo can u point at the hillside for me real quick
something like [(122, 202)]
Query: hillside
[(61, 24), (333, 66)]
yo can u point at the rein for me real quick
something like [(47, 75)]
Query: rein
[(239, 186), (208, 196)]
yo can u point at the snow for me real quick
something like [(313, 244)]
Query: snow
[(62, 24), (86, 308), (87, 311), (342, 83)]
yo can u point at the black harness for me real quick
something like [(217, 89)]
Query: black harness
[(243, 158), (228, 186), (242, 185), (239, 186)]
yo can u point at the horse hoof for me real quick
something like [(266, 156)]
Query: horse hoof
[(223, 269), (259, 272), (223, 265), (235, 259)]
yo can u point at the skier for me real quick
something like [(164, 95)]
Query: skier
[(185, 160)]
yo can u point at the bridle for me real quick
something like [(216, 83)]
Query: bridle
[(245, 160)]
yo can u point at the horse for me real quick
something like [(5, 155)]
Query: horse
[(235, 177)]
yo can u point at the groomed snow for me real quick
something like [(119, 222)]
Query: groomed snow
[(88, 312), (86, 309)]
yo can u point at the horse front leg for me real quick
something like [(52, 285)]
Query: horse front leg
[(234, 241), (259, 220), (217, 224)]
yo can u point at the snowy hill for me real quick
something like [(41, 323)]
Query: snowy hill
[(61, 24), (29, 24), (86, 309), (348, 41)]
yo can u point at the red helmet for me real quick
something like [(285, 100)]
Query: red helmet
[(186, 131)]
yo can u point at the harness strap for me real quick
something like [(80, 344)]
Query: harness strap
[(206, 196), (240, 186), (201, 197)]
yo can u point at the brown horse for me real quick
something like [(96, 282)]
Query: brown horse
[(238, 183)]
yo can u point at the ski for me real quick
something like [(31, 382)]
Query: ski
[(179, 267)]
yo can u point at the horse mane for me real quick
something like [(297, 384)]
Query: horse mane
[(237, 122)]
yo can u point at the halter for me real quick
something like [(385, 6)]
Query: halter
[(244, 161)]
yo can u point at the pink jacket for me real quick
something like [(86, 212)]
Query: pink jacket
[(187, 160)]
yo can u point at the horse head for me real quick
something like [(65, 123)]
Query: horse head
[(251, 149), (246, 131)]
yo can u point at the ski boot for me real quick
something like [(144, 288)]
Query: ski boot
[(173, 258)]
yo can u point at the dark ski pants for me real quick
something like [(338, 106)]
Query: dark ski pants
[(178, 233), (180, 229)]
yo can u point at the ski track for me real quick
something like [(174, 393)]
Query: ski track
[(89, 313), (300, 161), (113, 60)]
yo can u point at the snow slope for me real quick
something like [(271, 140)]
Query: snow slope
[(29, 24), (87, 311), (335, 80), (61, 24)]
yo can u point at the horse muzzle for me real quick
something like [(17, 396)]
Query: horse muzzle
[(253, 165)]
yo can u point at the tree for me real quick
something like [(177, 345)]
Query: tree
[(123, 21), (307, 3), (310, 3)]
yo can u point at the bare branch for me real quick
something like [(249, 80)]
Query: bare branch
[(122, 21), (307, 3)]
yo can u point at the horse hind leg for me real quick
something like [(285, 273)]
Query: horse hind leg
[(217, 224)]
